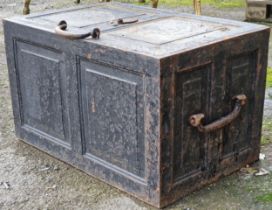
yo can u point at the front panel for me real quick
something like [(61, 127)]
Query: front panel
[(40, 81), (112, 103)]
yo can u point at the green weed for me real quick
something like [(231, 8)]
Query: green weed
[(264, 198), (266, 132), (269, 77), (215, 3)]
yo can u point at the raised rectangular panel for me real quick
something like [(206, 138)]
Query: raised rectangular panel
[(168, 29), (112, 101), (43, 109), (191, 97), (240, 81)]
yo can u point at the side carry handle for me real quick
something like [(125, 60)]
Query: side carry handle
[(196, 119)]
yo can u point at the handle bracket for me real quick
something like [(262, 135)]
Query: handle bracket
[(196, 119)]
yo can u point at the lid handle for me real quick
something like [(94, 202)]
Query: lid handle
[(61, 30)]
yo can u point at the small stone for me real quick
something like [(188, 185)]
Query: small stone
[(56, 168), (261, 156), (6, 185), (52, 188), (44, 169)]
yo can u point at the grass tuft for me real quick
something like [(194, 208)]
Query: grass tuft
[(215, 3), (266, 132), (269, 78), (264, 198)]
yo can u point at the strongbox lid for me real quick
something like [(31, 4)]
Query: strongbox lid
[(152, 32), (85, 18)]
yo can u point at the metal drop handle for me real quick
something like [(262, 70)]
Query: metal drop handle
[(61, 30), (196, 119)]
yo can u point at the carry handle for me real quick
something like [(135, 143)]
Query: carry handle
[(61, 30), (196, 119)]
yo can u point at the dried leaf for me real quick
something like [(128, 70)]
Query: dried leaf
[(249, 170)]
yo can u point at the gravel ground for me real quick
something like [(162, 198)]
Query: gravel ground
[(38, 181)]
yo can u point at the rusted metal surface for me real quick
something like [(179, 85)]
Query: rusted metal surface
[(61, 30), (196, 119), (118, 107)]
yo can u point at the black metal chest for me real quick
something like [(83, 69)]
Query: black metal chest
[(160, 105)]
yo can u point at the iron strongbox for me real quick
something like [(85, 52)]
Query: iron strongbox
[(155, 103)]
